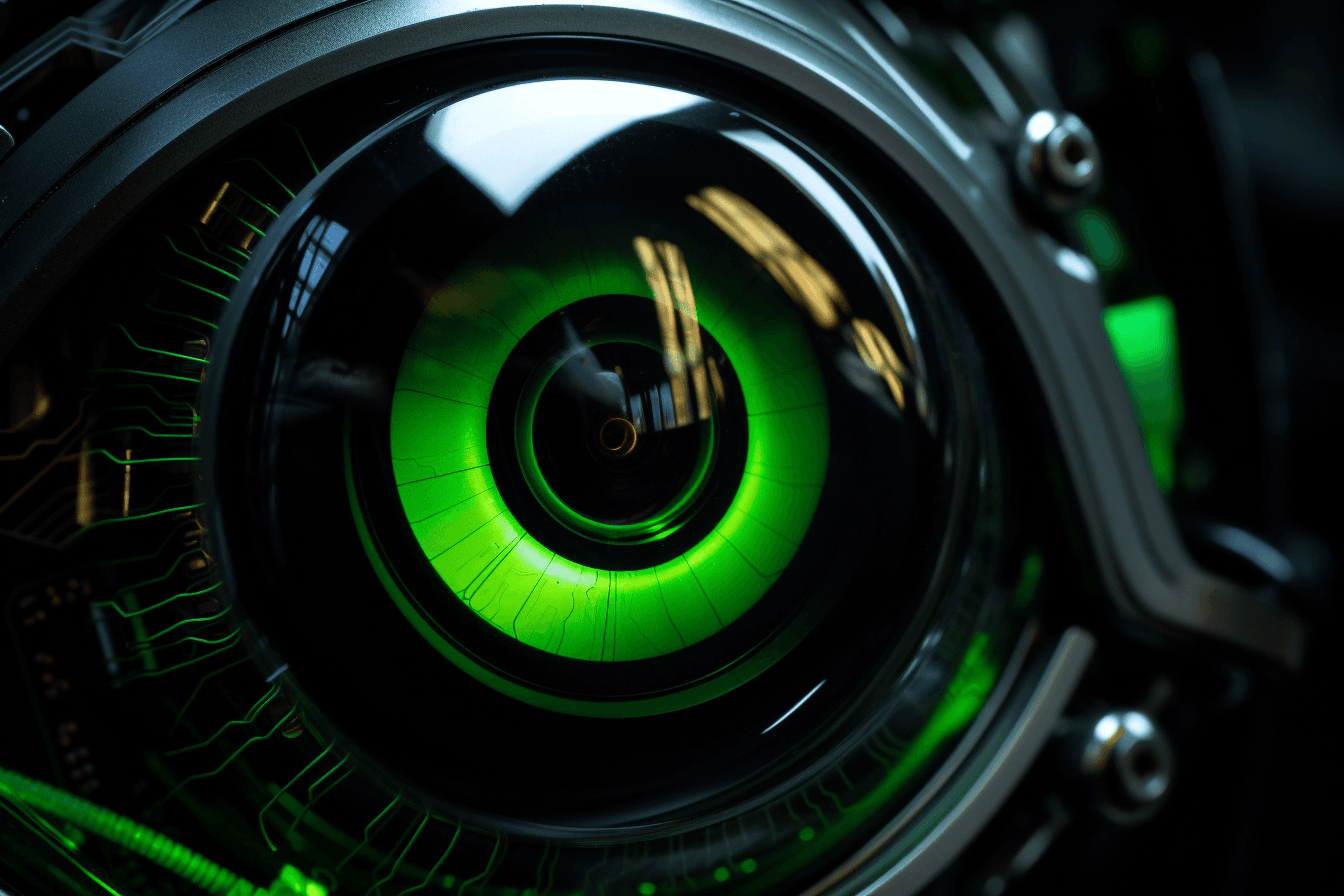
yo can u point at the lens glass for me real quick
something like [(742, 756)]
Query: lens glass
[(642, 480)]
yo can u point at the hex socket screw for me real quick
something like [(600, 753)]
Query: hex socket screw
[(1058, 161)]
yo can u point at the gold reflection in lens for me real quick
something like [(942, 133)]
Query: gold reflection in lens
[(805, 281), (809, 284), (680, 280), (719, 392), (881, 358), (683, 351)]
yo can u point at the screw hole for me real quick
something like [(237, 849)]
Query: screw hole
[(1073, 150), (1143, 763)]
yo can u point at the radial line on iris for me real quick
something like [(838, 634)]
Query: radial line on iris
[(442, 510), (424, 354), (801, 407), (733, 304), (441, 475), (745, 558), (490, 567), (713, 609), (535, 585), (662, 596), (468, 535), (442, 397)]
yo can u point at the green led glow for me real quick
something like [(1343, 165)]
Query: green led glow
[(721, 874), (1143, 335), (502, 572), (293, 882), (1101, 239), (691, 696), (806, 834), (190, 866), (747, 865), (67, 849), (647, 888), (1032, 567)]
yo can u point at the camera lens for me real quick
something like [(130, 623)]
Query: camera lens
[(652, 469)]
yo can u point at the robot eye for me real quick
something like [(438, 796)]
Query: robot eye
[(601, 420), (579, 482)]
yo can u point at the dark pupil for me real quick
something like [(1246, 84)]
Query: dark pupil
[(607, 437)]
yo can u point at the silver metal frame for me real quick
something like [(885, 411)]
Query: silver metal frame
[(184, 92), (917, 845)]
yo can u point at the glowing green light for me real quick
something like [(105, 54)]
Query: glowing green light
[(1032, 566), (806, 834), (1101, 238), (647, 888), (1143, 335), (293, 882), (747, 865), (44, 830), (74, 836), (497, 568), (195, 869), (721, 874)]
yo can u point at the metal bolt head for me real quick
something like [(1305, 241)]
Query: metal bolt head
[(1130, 763), (1058, 160)]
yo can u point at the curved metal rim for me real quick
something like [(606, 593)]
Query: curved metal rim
[(996, 764)]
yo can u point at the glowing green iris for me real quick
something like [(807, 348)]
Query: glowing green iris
[(498, 569)]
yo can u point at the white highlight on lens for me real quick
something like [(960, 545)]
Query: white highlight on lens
[(510, 141), (798, 704), (811, 183)]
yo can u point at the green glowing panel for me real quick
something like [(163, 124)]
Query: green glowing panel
[(478, 547), (1101, 239), (1143, 335)]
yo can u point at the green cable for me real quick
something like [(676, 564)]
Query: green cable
[(192, 867)]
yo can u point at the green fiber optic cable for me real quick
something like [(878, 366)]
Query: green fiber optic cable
[(190, 866), (66, 842), (499, 569)]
